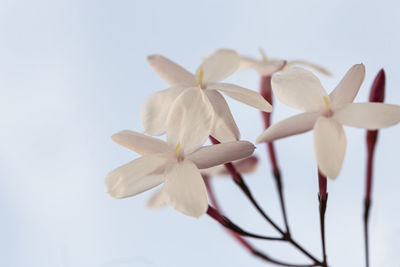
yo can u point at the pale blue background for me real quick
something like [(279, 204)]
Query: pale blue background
[(74, 72)]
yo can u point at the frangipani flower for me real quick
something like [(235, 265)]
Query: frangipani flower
[(205, 85), (268, 66), (243, 166), (175, 163), (325, 114)]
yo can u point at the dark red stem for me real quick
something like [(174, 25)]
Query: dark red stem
[(323, 199), (377, 94)]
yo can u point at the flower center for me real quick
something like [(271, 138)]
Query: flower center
[(328, 111), (178, 146), (201, 74), (263, 54)]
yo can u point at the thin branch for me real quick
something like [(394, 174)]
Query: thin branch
[(323, 199), (237, 178), (266, 92)]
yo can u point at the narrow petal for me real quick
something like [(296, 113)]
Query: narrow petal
[(140, 143), (329, 146), (219, 65), (156, 201), (299, 88), (243, 95), (184, 189), (171, 72), (209, 156), (155, 109), (291, 126), (312, 65), (190, 120), (247, 63), (224, 128), (370, 116), (135, 177), (243, 166), (270, 67), (348, 87)]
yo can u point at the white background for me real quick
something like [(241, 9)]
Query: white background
[(72, 73)]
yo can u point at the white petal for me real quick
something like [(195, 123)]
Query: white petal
[(209, 156), (171, 72), (329, 146), (348, 87), (270, 67), (371, 116), (224, 128), (156, 201), (155, 110), (291, 126), (213, 170), (184, 189), (219, 65), (243, 166), (312, 65), (135, 177), (299, 88), (247, 63), (140, 143), (190, 120), (243, 95)]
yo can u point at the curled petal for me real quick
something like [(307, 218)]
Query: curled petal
[(299, 88), (247, 165), (291, 126), (219, 65), (184, 189), (370, 116), (171, 72), (312, 65), (270, 67), (190, 120), (247, 63), (224, 128), (140, 143), (243, 95), (209, 156), (348, 87), (135, 177), (156, 201), (329, 146), (155, 109)]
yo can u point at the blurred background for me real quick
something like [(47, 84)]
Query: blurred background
[(73, 72)]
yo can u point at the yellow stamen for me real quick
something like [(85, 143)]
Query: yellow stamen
[(201, 74), (327, 103), (178, 146), (263, 54)]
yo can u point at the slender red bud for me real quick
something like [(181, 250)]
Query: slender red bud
[(377, 94)]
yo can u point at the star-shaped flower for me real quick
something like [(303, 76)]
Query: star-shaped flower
[(243, 166), (216, 67), (268, 66), (175, 163), (300, 89)]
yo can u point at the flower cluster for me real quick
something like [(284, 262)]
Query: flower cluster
[(193, 108)]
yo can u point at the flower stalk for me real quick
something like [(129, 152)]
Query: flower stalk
[(266, 92), (377, 94), (323, 199)]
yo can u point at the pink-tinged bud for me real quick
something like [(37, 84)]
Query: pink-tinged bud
[(323, 187), (377, 93)]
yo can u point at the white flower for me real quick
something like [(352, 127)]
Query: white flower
[(202, 87), (268, 66), (243, 166), (175, 163), (300, 89)]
